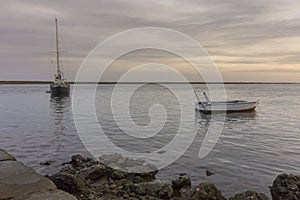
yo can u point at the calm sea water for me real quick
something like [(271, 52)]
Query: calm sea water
[(252, 150)]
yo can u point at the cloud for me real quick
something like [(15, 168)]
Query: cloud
[(237, 34)]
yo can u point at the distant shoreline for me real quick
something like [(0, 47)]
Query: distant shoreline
[(105, 83)]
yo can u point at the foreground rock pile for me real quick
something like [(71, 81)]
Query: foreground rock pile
[(105, 179), (89, 179), (116, 177)]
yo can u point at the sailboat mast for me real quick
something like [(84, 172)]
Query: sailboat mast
[(57, 50)]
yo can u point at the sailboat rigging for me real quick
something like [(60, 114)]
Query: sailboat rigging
[(59, 87)]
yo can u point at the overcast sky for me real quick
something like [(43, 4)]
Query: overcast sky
[(249, 40)]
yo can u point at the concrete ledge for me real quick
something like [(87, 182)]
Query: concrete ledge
[(18, 182), (49, 195), (5, 156)]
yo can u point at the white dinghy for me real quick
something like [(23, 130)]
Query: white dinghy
[(225, 106)]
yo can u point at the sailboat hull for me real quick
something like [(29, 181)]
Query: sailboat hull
[(59, 91)]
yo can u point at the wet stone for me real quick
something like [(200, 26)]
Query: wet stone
[(47, 162), (206, 191), (78, 161), (286, 186), (68, 182), (93, 173), (251, 195), (181, 182)]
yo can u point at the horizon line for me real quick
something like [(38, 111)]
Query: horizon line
[(114, 82)]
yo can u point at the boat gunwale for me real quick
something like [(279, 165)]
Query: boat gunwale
[(229, 102), (252, 109)]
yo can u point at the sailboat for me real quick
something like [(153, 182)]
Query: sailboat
[(59, 87)]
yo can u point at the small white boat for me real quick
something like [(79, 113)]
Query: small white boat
[(225, 106)]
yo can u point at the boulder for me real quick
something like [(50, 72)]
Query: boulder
[(68, 170), (155, 189), (116, 174), (93, 173), (249, 195), (286, 186), (166, 192), (146, 172), (144, 188), (181, 182), (209, 173), (130, 167), (206, 191), (184, 193), (119, 167), (68, 182), (47, 162), (78, 161)]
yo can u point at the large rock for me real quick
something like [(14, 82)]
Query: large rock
[(79, 162), (120, 167), (181, 182), (206, 191), (184, 193), (49, 195), (166, 192), (286, 187), (155, 189), (119, 162), (93, 173), (17, 180), (146, 172), (249, 195), (69, 183), (5, 156)]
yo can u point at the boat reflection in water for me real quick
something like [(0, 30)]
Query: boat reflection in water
[(60, 108)]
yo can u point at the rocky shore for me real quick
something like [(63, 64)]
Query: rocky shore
[(86, 179)]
